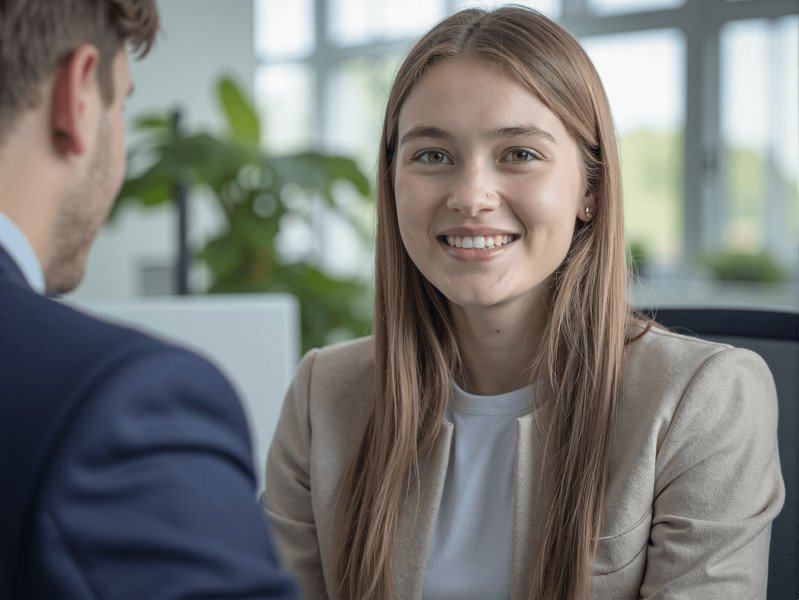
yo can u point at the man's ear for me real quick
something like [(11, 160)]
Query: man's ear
[(74, 88)]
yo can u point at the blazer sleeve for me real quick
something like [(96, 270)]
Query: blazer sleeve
[(718, 484), (287, 496), (152, 491)]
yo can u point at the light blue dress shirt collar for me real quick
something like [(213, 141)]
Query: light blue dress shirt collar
[(19, 248)]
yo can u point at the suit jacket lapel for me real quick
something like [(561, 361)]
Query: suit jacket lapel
[(418, 519)]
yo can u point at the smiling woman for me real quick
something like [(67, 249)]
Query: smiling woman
[(513, 429), (515, 178)]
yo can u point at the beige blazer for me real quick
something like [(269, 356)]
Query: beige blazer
[(693, 486)]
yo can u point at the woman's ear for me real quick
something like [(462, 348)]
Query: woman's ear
[(587, 208), (75, 89)]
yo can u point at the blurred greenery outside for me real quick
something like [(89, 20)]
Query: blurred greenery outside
[(259, 192), (652, 180)]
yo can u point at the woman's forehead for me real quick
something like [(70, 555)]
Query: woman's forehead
[(473, 94)]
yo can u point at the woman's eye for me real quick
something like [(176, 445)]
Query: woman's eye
[(521, 155), (433, 157)]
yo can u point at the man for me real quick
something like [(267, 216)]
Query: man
[(125, 466)]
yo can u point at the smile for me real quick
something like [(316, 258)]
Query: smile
[(479, 242)]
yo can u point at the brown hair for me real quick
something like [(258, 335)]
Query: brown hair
[(36, 35), (415, 348)]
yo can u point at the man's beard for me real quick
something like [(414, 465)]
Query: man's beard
[(80, 216)]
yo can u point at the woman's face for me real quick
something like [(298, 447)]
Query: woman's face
[(488, 184)]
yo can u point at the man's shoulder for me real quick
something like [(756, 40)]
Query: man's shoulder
[(54, 358), (48, 334), (69, 380), (33, 323)]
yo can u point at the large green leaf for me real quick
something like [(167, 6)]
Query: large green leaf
[(342, 168), (241, 116), (152, 122), (223, 256), (150, 188), (327, 304), (251, 230), (316, 171)]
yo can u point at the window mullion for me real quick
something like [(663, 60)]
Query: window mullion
[(322, 67), (777, 232), (703, 213), (715, 211), (574, 10)]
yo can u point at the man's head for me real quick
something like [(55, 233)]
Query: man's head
[(63, 82)]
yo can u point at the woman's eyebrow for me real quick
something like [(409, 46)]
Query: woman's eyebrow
[(428, 131), (521, 130), (425, 131)]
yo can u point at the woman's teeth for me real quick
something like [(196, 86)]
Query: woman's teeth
[(479, 242)]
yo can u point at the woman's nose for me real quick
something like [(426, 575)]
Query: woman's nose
[(472, 193)]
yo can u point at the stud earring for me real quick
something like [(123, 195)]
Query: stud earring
[(587, 212)]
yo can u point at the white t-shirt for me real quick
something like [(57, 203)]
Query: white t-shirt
[(470, 555)]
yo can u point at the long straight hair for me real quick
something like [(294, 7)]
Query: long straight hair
[(415, 345)]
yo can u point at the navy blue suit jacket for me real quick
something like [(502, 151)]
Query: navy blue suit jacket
[(125, 464)]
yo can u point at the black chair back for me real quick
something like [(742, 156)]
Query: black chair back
[(775, 336)]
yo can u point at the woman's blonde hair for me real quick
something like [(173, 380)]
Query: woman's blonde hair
[(415, 348)]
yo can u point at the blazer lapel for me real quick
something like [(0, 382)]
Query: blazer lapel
[(527, 502), (417, 519)]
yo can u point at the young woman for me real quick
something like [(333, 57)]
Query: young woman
[(512, 429)]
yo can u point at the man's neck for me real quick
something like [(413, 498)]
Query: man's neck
[(30, 181)]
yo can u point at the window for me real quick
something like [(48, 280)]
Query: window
[(760, 120), (606, 7), (551, 8), (358, 93), (649, 119), (284, 29), (355, 22), (285, 99)]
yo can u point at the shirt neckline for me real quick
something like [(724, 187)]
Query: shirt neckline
[(517, 402)]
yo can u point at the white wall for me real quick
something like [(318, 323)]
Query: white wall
[(201, 40)]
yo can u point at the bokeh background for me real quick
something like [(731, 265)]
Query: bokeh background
[(705, 97)]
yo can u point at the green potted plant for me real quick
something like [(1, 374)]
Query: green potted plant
[(256, 192)]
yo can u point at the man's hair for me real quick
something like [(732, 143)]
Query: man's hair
[(37, 35)]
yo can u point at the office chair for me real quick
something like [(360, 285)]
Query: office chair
[(775, 337)]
